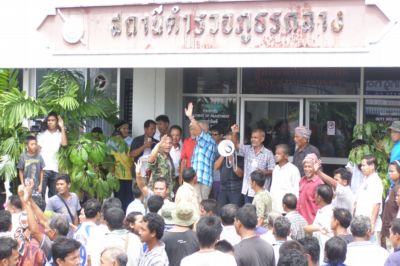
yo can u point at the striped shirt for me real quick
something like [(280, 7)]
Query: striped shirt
[(203, 158), (155, 257)]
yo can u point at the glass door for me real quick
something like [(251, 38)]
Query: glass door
[(332, 123), (278, 117)]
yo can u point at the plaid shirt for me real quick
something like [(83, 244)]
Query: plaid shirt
[(203, 158), (297, 223), (264, 159)]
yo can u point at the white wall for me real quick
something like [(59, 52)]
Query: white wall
[(148, 96)]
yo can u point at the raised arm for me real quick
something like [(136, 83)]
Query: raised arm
[(153, 155), (140, 180), (326, 178), (193, 122), (235, 138), (64, 140)]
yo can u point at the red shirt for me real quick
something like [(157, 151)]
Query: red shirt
[(187, 150), (306, 204)]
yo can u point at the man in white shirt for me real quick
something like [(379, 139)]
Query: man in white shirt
[(228, 213), (285, 178), (92, 210), (121, 238), (208, 231), (362, 251), (321, 227), (369, 195), (49, 142)]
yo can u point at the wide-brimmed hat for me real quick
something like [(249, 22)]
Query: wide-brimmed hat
[(166, 212), (185, 214), (395, 126)]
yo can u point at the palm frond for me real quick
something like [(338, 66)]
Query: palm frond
[(15, 106), (8, 79)]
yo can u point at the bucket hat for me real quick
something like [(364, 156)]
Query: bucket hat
[(184, 214), (395, 126)]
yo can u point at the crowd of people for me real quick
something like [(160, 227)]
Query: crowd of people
[(181, 202)]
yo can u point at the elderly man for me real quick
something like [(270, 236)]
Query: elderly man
[(204, 155), (303, 147), (362, 251), (256, 157), (113, 256)]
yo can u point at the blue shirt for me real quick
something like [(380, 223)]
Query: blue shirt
[(203, 158), (394, 155), (393, 259)]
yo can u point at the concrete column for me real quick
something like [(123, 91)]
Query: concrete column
[(148, 96)]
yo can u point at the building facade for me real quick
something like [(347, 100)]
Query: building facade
[(270, 64)]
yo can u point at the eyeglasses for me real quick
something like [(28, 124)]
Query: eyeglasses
[(215, 134)]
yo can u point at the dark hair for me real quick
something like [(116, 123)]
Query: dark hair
[(217, 128), (325, 192), (188, 174), (114, 218), (64, 177), (343, 216), (7, 244), (370, 160), (290, 201), (162, 118), (98, 130), (5, 221), (360, 225), (284, 147), (311, 246), (335, 251), (175, 127), (163, 180), (62, 247), (30, 138), (344, 174), (396, 226), (137, 193), (148, 123), (210, 206), (39, 201), (292, 257), (15, 201), (208, 230), (91, 208), (154, 203), (52, 113), (282, 226), (120, 124), (258, 177), (228, 213), (59, 222), (111, 203), (291, 244), (155, 224), (396, 163), (224, 246), (131, 218), (247, 216)]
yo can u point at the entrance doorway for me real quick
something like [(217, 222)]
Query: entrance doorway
[(278, 117)]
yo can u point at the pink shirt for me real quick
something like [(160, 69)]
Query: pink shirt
[(306, 204)]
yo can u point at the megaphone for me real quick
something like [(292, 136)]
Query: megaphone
[(226, 148)]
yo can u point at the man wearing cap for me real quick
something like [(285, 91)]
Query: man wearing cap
[(303, 147), (181, 241)]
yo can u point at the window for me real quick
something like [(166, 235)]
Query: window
[(210, 80), (301, 81)]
